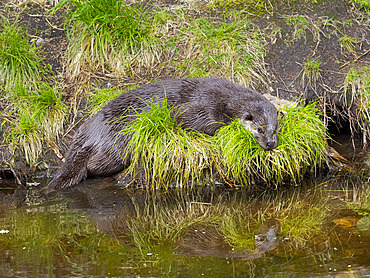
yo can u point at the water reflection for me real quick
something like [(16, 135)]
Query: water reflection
[(98, 229)]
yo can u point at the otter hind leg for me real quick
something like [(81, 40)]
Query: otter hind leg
[(73, 170)]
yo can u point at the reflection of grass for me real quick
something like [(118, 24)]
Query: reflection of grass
[(302, 216), (237, 218), (19, 62), (166, 153), (360, 200)]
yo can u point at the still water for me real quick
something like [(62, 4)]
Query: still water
[(98, 229)]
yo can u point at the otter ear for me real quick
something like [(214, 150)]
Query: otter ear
[(281, 113), (248, 116)]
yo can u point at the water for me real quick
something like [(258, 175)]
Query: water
[(100, 230)]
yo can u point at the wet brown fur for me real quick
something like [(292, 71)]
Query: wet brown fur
[(205, 104)]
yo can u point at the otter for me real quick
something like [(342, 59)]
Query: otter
[(204, 104)]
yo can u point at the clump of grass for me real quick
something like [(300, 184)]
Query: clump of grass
[(229, 49), (302, 144), (163, 150), (102, 96), (301, 25), (251, 6), (166, 153), (348, 43), (356, 97), (109, 36), (362, 4), (311, 71), (19, 61), (35, 118)]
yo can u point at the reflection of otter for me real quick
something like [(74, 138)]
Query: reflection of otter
[(204, 104), (206, 241)]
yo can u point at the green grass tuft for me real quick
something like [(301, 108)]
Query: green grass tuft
[(356, 93), (19, 61), (164, 151), (250, 6), (108, 36), (34, 119), (232, 50), (301, 144)]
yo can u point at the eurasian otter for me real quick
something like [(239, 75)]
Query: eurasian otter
[(204, 104)]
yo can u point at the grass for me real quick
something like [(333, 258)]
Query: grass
[(108, 36), (301, 25), (348, 43), (356, 94), (311, 71), (167, 154), (230, 49), (301, 145), (101, 97), (362, 4), (164, 151), (34, 120), (250, 6), (20, 62)]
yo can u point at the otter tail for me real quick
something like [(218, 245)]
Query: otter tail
[(73, 170)]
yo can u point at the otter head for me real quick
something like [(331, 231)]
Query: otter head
[(263, 123)]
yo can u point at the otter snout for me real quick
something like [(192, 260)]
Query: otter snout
[(270, 144)]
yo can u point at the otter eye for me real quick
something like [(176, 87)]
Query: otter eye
[(248, 117), (259, 130)]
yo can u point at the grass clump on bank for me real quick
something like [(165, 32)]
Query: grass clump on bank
[(356, 98), (230, 49), (302, 144), (251, 6), (19, 62), (101, 97), (108, 36), (34, 119), (166, 153)]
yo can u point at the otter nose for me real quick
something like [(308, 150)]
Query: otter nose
[(270, 144)]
